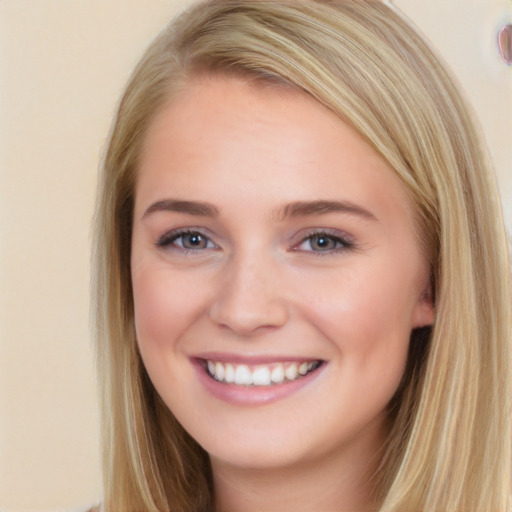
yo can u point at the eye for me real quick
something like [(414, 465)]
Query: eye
[(186, 240), (325, 243)]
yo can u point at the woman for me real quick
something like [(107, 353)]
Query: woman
[(301, 274)]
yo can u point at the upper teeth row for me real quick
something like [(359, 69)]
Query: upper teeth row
[(262, 375)]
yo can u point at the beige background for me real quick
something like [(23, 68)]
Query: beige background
[(63, 64)]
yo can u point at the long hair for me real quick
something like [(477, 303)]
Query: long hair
[(449, 445)]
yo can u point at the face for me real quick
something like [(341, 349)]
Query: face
[(276, 275)]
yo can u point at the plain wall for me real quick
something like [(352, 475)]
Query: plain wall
[(63, 64)]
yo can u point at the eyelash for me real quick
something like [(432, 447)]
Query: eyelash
[(343, 244), (168, 239)]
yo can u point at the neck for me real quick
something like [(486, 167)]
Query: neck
[(336, 482)]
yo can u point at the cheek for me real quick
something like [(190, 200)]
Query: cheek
[(164, 306), (366, 313), (363, 301)]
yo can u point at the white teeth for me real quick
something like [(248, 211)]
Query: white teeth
[(261, 375), (277, 375), (219, 371), (229, 376), (243, 375), (291, 372)]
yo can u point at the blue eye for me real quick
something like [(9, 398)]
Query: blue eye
[(186, 240), (324, 243)]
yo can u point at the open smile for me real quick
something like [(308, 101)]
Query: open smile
[(255, 381), (259, 375)]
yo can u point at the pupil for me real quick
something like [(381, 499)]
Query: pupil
[(194, 241), (322, 242)]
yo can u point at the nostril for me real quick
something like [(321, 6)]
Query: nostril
[(248, 308), (247, 321)]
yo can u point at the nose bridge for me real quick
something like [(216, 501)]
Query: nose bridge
[(250, 296)]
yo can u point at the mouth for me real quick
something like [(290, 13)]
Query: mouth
[(259, 375)]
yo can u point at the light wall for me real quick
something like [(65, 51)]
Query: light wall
[(63, 64), (465, 32)]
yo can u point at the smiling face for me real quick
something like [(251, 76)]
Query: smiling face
[(276, 275)]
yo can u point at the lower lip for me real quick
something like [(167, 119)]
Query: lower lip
[(253, 395)]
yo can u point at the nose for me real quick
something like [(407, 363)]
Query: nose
[(251, 298)]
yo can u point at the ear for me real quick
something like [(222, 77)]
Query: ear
[(424, 312)]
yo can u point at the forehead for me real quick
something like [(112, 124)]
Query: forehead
[(227, 134)]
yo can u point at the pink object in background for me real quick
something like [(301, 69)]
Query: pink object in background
[(505, 43)]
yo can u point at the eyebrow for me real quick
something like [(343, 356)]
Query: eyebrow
[(290, 210), (305, 208), (196, 208)]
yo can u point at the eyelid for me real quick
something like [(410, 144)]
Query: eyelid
[(347, 241), (166, 240)]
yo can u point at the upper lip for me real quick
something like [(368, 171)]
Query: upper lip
[(224, 357)]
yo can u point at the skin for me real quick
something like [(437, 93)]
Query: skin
[(260, 285)]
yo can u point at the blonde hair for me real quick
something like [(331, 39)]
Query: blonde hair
[(449, 446)]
